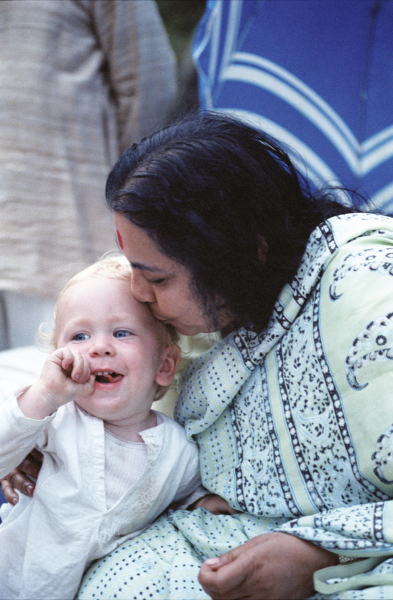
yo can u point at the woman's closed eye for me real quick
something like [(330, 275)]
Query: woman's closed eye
[(156, 281)]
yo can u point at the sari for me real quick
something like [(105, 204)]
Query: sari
[(294, 427)]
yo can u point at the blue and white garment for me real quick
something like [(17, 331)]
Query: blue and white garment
[(317, 75), (295, 430)]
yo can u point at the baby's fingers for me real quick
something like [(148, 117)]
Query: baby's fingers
[(81, 370), (67, 358)]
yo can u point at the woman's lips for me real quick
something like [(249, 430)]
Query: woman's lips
[(161, 318)]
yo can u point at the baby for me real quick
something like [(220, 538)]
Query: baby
[(111, 464)]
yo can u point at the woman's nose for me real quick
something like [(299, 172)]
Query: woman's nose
[(141, 289)]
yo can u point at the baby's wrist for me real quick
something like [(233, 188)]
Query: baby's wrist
[(37, 402)]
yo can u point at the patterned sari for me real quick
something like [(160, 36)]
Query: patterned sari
[(295, 429)]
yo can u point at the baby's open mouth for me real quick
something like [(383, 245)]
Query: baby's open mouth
[(107, 377)]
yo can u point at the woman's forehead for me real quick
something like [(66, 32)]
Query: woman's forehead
[(142, 252)]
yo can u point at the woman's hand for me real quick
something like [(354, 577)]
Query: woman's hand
[(214, 504), (274, 565), (18, 479)]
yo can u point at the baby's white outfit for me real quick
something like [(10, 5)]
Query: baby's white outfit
[(48, 541)]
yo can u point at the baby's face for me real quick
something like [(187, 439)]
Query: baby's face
[(122, 340)]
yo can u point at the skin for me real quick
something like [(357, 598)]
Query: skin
[(104, 329), (274, 565), (19, 478), (271, 566), (214, 504), (164, 284)]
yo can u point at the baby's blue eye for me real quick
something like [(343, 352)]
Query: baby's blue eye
[(120, 333), (80, 337)]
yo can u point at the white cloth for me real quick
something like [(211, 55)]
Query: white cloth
[(125, 463), (19, 367), (48, 541)]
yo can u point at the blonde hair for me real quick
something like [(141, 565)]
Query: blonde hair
[(114, 266)]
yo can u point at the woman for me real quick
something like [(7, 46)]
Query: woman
[(291, 408)]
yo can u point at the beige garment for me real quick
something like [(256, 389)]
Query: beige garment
[(80, 80)]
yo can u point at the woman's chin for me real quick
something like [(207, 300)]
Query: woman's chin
[(189, 330)]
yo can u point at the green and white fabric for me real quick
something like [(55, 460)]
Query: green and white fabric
[(295, 429)]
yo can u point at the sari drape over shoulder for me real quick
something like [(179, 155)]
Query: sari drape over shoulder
[(295, 428)]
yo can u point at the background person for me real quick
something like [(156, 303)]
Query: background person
[(79, 82), (316, 75)]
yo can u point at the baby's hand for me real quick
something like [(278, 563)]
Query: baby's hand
[(66, 373), (65, 376)]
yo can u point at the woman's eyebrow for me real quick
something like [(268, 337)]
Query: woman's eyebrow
[(143, 267)]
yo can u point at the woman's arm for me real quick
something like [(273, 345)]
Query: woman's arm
[(274, 565), (351, 470), (214, 504)]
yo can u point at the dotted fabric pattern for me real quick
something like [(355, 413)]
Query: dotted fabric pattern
[(277, 418)]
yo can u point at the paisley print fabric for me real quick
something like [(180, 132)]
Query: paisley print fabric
[(295, 429)]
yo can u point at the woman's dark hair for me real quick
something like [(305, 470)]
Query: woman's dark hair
[(206, 190)]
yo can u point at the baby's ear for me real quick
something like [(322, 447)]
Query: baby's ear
[(169, 363)]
